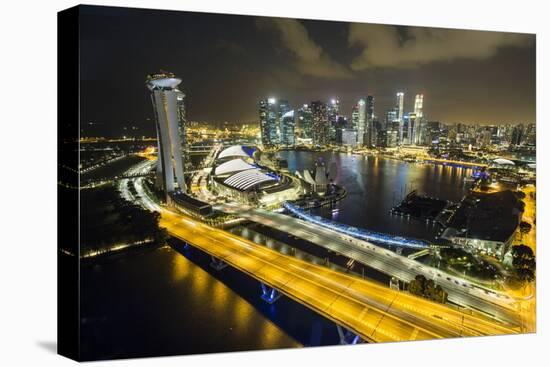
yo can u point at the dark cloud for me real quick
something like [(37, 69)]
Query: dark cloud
[(386, 46), (229, 62), (229, 46), (309, 57)]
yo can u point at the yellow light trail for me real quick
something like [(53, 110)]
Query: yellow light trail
[(376, 313)]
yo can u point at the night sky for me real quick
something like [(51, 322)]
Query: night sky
[(229, 62)]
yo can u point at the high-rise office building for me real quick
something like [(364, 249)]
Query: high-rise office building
[(361, 121), (333, 110), (269, 126), (411, 128), (342, 123), (282, 108), (287, 128), (419, 124), (349, 137), (370, 133), (320, 126), (392, 138), (305, 122), (518, 134), (390, 128), (379, 132), (169, 110), (434, 132), (391, 119), (354, 117), (421, 131), (418, 104), (399, 107)]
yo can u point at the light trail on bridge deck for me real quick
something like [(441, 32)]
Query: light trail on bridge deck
[(461, 291), (374, 312)]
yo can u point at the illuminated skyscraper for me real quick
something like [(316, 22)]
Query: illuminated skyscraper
[(169, 109), (282, 108), (399, 108), (361, 121), (370, 136), (391, 119), (418, 102), (349, 137), (320, 128), (287, 128), (419, 124), (269, 124), (305, 122), (391, 127), (518, 134), (333, 113), (342, 123), (391, 138), (354, 117), (411, 128), (404, 133)]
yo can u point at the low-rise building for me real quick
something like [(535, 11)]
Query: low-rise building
[(238, 176), (485, 223)]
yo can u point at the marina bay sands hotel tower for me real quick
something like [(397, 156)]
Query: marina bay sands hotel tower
[(169, 109)]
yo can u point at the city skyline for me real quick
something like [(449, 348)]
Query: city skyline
[(229, 185), (491, 73)]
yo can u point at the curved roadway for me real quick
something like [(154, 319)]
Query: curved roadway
[(388, 262)]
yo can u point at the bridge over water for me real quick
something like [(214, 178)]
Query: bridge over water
[(371, 311), (460, 291)]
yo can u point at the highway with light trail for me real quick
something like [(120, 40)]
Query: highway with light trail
[(373, 312), (460, 291)]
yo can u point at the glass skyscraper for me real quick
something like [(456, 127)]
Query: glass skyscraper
[(305, 122), (320, 128), (370, 135), (399, 107), (333, 113), (287, 128), (418, 103), (361, 121), (269, 126)]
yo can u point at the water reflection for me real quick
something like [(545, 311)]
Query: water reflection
[(160, 303), (376, 184), (180, 268)]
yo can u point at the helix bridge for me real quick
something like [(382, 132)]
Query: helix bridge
[(359, 233)]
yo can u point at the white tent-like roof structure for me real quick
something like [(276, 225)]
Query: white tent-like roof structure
[(244, 180), (236, 151), (234, 165), (503, 161)]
